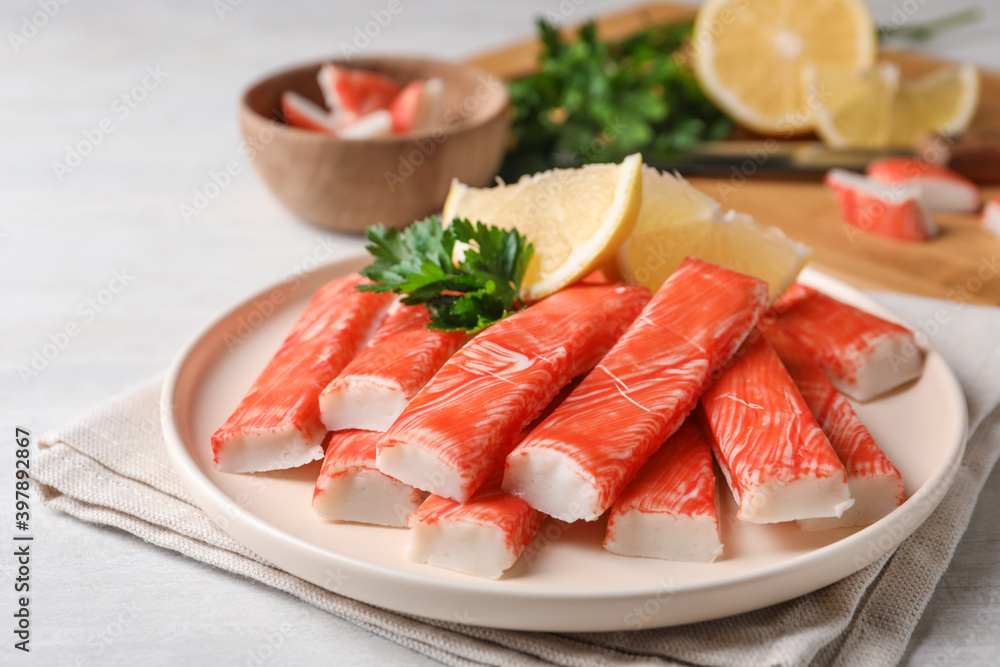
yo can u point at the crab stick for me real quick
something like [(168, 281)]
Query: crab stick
[(670, 510), (876, 485), (894, 210), (863, 354), (577, 461), (941, 188), (774, 456), (350, 487), (395, 364), (990, 218), (484, 536), (277, 424), (457, 429)]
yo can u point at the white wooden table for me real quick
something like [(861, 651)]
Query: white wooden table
[(114, 115)]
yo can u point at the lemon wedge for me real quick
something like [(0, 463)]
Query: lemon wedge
[(576, 219), (676, 221)]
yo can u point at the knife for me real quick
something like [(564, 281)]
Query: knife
[(975, 155)]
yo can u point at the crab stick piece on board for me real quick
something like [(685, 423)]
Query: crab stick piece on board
[(457, 429), (577, 461), (895, 210), (876, 485), (351, 488), (989, 220), (277, 424), (670, 510), (941, 188), (863, 354), (776, 459), (395, 364)]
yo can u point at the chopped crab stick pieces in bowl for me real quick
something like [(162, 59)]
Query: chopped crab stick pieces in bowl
[(863, 354), (670, 510), (351, 488), (893, 210), (395, 364), (484, 536), (277, 424), (578, 460), (775, 458), (941, 188), (457, 429), (876, 485)]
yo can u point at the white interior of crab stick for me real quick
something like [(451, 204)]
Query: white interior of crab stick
[(269, 450), (775, 501), (552, 483), (466, 547), (941, 194), (366, 496), (874, 498), (891, 362), (421, 468), (693, 539), (991, 218), (361, 403)]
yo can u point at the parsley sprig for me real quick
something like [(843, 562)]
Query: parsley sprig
[(468, 295)]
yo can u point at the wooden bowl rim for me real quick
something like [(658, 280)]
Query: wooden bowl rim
[(502, 109)]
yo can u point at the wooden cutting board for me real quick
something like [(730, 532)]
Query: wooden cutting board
[(962, 265)]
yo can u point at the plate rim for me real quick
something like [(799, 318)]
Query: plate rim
[(242, 521)]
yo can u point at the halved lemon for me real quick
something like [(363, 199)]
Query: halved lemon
[(749, 55), (575, 218), (670, 229)]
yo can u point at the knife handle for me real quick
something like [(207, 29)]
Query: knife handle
[(975, 154)]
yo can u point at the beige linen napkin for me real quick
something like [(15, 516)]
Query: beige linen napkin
[(110, 468)]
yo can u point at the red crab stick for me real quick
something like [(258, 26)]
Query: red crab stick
[(395, 364), (455, 432), (941, 188), (670, 510), (876, 485), (484, 536), (778, 463), (277, 423), (895, 210), (350, 487), (863, 354), (577, 461)]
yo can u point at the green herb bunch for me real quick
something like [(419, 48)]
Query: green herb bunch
[(595, 101)]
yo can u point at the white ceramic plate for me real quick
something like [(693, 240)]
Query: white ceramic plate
[(566, 581)]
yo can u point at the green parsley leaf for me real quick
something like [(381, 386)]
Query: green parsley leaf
[(483, 288)]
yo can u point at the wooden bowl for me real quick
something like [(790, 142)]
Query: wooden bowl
[(349, 184)]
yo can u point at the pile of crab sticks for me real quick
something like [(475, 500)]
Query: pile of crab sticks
[(600, 400)]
